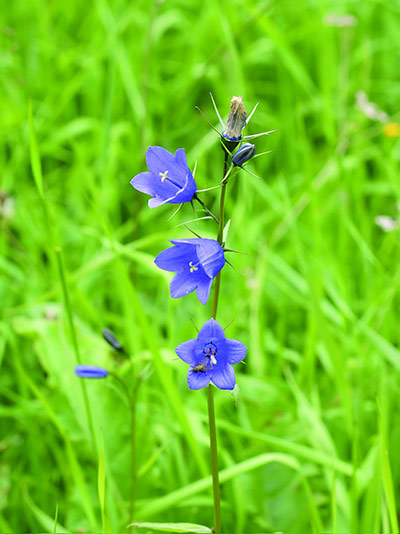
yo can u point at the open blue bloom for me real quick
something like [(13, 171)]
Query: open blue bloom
[(211, 357), (90, 371), (243, 154), (196, 263), (169, 180)]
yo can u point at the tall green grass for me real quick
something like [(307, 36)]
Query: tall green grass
[(311, 445)]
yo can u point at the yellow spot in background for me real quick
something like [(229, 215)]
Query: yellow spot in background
[(163, 175), (391, 129)]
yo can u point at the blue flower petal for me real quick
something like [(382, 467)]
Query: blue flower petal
[(164, 189), (192, 241), (203, 290), (235, 350), (198, 380), (184, 282), (180, 158), (169, 180), (149, 183), (160, 160), (190, 274), (211, 331), (223, 377), (188, 351), (176, 258), (211, 256), (143, 182), (155, 202), (188, 190), (167, 193)]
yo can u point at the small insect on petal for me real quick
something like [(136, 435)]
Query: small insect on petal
[(243, 154)]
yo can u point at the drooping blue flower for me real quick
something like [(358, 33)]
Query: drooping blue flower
[(90, 371), (243, 154), (211, 357), (169, 180), (196, 263)]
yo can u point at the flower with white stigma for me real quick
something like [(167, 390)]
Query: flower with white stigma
[(169, 180), (211, 356), (196, 262)]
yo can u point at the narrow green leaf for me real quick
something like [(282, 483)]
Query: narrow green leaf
[(55, 520), (35, 157), (174, 527), (101, 481)]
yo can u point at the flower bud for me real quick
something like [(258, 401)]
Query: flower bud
[(112, 340), (243, 154), (90, 371)]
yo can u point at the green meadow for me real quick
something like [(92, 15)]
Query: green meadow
[(309, 440)]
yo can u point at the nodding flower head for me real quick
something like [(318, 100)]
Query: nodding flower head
[(243, 154), (110, 338), (236, 120), (196, 263), (90, 371), (169, 181), (211, 357)]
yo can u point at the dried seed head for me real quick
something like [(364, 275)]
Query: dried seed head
[(236, 120)]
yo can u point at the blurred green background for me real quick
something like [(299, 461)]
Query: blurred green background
[(311, 444)]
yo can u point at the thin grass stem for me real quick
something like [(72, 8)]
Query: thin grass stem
[(75, 345)]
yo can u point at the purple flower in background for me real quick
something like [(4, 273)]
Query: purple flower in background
[(196, 263), (90, 371), (211, 357), (169, 180)]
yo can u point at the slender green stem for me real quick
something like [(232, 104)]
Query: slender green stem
[(220, 237), (132, 407), (210, 393), (68, 308), (214, 460)]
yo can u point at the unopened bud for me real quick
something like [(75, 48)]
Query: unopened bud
[(243, 154), (90, 371), (112, 340)]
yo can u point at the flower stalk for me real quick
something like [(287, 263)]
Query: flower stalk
[(210, 392), (131, 399), (214, 460)]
